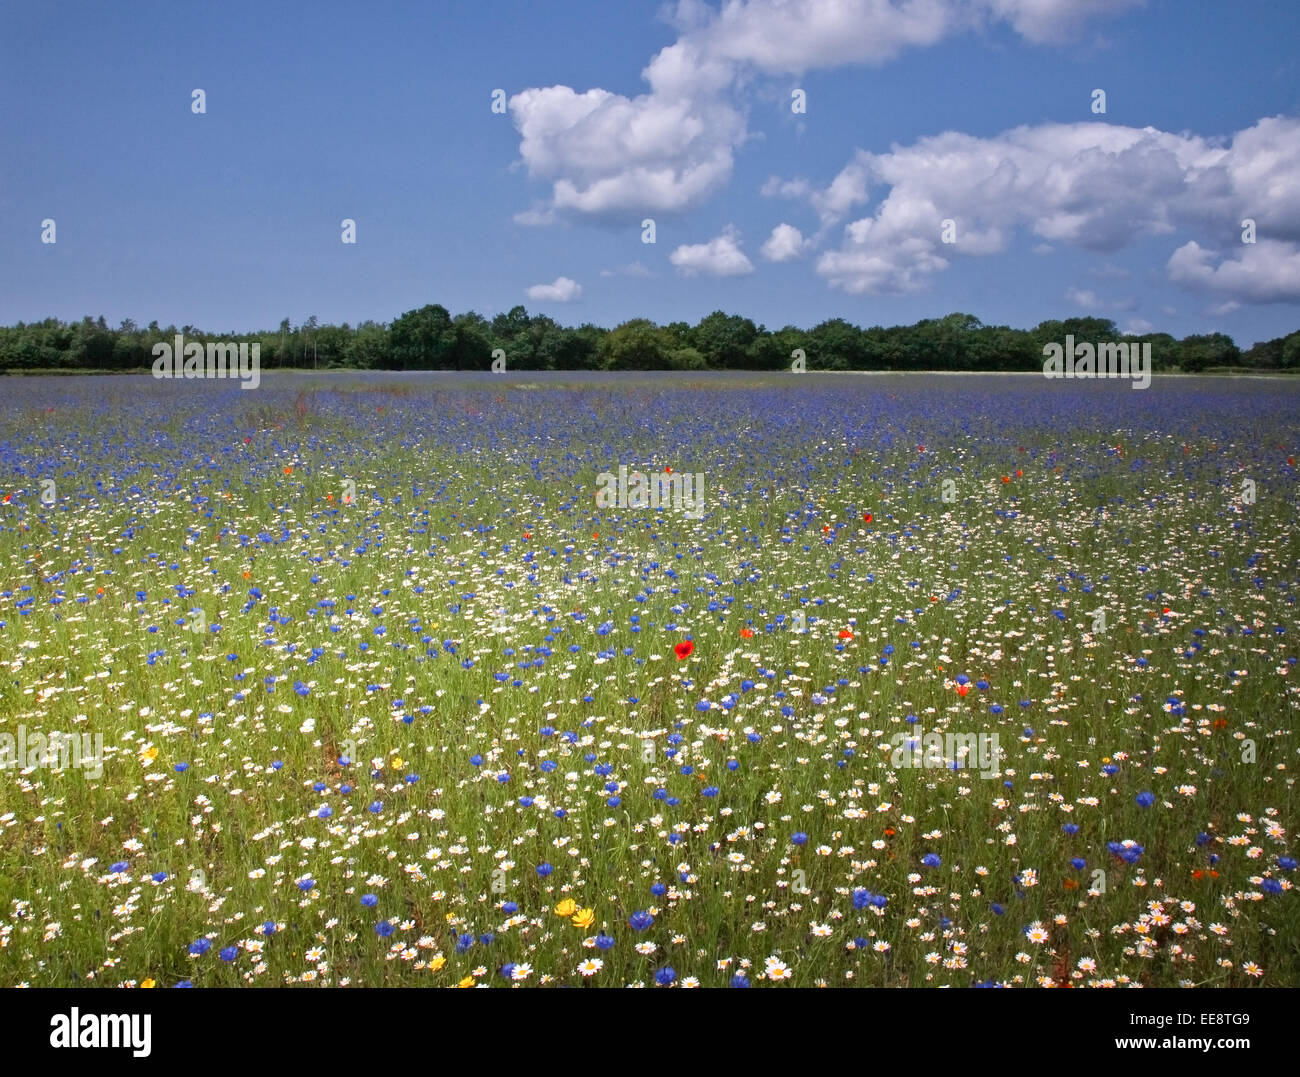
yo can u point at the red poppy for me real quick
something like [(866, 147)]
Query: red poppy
[(866, 517), (1006, 478), (845, 634), (684, 649), (1019, 473), (528, 534), (962, 689), (746, 633)]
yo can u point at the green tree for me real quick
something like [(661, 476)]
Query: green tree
[(638, 344), (421, 339), (1204, 350)]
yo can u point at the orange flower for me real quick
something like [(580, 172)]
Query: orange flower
[(1006, 478), (288, 471), (1198, 874), (845, 634), (889, 831), (746, 633), (1071, 884)]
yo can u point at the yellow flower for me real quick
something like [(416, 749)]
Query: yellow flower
[(437, 963), (584, 918), (149, 755), (468, 981), (397, 763), (147, 983), (566, 907)]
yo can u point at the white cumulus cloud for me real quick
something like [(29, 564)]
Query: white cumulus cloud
[(785, 242), (1094, 186), (605, 154), (719, 257), (560, 290)]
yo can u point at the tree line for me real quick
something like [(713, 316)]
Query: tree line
[(430, 338)]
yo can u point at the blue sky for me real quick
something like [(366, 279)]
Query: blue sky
[(977, 111)]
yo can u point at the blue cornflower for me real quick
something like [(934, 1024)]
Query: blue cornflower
[(931, 860), (1145, 800), (640, 920), (383, 929), (665, 976), (200, 946), (369, 900)]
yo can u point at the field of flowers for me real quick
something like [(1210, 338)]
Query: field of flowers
[(385, 698)]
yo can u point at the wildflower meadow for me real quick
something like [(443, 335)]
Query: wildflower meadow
[(357, 680)]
